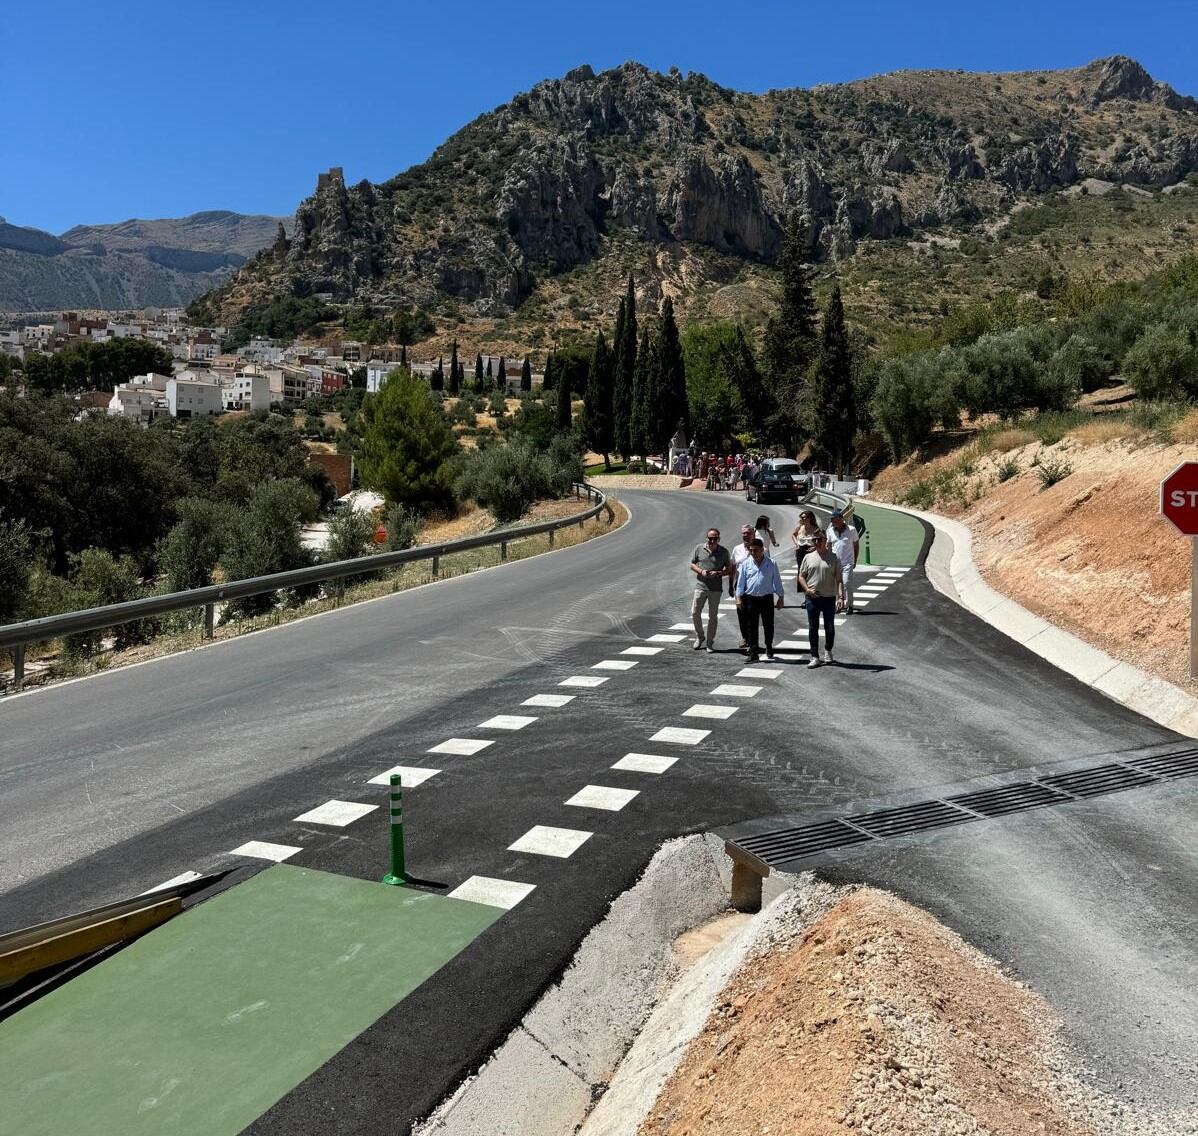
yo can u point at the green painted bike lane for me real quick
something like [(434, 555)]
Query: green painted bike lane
[(894, 538), (201, 1025)]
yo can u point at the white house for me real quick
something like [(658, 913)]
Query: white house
[(203, 347), (248, 390), (140, 402), (376, 372), (191, 398)]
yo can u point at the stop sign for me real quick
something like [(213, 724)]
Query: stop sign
[(1179, 498)]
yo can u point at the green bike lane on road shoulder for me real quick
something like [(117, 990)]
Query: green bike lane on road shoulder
[(893, 538), (276, 975)]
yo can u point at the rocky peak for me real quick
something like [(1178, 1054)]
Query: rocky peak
[(1122, 78)]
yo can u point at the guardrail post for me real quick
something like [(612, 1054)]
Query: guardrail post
[(436, 566), (552, 532), (503, 550), (397, 875), (209, 620), (18, 666)]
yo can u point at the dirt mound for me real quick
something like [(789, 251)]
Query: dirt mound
[(877, 1021)]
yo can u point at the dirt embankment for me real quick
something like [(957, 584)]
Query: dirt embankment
[(876, 1021), (1091, 553)]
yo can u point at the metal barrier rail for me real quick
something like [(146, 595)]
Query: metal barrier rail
[(14, 636)]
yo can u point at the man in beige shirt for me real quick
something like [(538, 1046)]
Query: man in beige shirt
[(821, 582)]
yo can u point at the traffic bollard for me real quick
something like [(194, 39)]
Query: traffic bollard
[(397, 875), (865, 543)]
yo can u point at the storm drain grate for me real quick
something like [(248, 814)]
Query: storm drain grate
[(1101, 779), (806, 840), (909, 818), (1009, 799), (1184, 763)]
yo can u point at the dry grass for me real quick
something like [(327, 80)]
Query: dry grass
[(1185, 431), (1104, 430), (1011, 440)]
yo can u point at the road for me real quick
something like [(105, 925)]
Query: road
[(113, 784)]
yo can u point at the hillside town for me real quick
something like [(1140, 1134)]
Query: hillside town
[(205, 380)]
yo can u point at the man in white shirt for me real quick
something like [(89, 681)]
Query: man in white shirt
[(740, 554), (842, 541)]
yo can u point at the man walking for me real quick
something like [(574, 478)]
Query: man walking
[(842, 538), (710, 563), (740, 554), (758, 592), (821, 581)]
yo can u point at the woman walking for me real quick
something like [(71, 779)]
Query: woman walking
[(765, 534), (803, 535)]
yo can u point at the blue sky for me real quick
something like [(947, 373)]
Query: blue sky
[(161, 109)]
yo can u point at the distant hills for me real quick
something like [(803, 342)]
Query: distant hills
[(131, 264), (535, 211)]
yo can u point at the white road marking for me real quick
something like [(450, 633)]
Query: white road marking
[(758, 672), (706, 710), (665, 638), (861, 603), (182, 878), (506, 722), (642, 651), (602, 797), (679, 735), (542, 840), (492, 892), (260, 850), (732, 690), (615, 665), (644, 763), (548, 700), (584, 680), (462, 746), (682, 627), (409, 776), (791, 645), (336, 813)]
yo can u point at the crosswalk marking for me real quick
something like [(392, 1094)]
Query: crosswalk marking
[(602, 797), (409, 776), (492, 892), (679, 735), (644, 763), (544, 840), (336, 814)]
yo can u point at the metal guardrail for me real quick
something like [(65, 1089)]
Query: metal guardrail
[(14, 636)]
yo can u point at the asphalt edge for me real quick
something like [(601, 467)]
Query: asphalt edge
[(558, 1062), (951, 570)]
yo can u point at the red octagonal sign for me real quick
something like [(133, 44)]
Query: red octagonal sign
[(1179, 498)]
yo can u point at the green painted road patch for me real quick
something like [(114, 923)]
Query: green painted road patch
[(200, 1026), (894, 538)]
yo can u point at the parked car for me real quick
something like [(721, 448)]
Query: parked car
[(773, 485), (792, 469)]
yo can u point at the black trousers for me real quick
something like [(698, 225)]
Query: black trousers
[(759, 610)]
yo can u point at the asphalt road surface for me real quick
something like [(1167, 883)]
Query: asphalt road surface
[(111, 785)]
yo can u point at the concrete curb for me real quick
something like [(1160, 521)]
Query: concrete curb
[(952, 572), (548, 1073)]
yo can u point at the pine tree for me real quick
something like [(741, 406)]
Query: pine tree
[(790, 336), (739, 366), (455, 381), (597, 405), (547, 379), (831, 406), (501, 377), (623, 370), (642, 382), (480, 382), (563, 403), (666, 407)]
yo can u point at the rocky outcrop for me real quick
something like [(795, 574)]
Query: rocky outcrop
[(720, 205), (1048, 164), (1121, 78)]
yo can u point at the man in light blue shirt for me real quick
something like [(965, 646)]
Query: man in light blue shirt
[(758, 592)]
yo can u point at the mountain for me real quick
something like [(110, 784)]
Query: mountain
[(689, 183), (132, 264)]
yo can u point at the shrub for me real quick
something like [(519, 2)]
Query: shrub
[(1158, 416), (1051, 470), (1078, 364), (1006, 469), (351, 534), (402, 526), (506, 479), (1163, 363), (98, 579)]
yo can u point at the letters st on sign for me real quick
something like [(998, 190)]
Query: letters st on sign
[(1179, 505)]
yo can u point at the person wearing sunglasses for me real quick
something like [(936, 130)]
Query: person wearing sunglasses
[(710, 563)]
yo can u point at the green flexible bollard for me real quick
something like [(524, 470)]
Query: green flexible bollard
[(397, 876)]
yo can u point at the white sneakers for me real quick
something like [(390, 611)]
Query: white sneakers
[(816, 661), (828, 657), (813, 663)]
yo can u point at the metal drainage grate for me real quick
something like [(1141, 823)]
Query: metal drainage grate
[(1008, 799), (807, 839), (1100, 779), (909, 818), (1184, 763)]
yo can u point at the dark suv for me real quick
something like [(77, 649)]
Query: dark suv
[(773, 485)]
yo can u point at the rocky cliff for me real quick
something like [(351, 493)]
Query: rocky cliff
[(550, 180)]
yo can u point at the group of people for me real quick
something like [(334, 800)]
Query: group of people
[(825, 560)]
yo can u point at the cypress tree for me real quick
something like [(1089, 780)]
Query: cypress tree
[(642, 381), (666, 407), (455, 376), (501, 378), (623, 371), (488, 366), (563, 403), (526, 375), (403, 355), (437, 381), (547, 379), (597, 404), (831, 401), (480, 383)]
